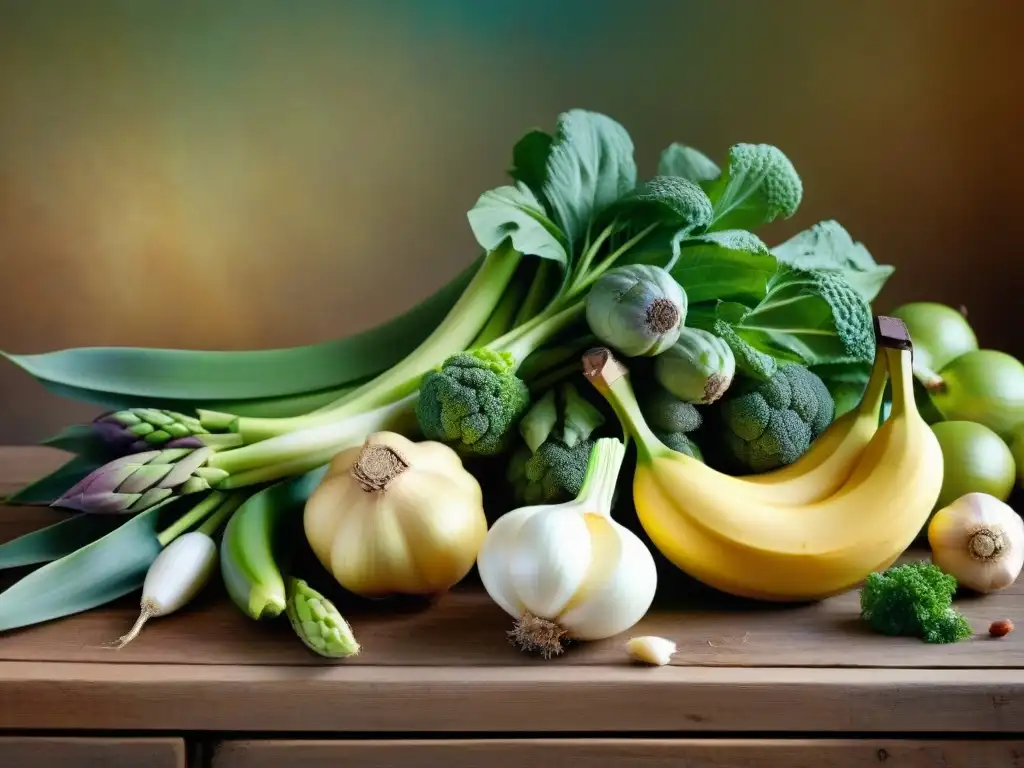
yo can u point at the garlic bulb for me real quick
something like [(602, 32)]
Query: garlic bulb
[(396, 517), (569, 571), (979, 540)]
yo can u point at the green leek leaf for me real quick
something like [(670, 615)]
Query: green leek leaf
[(192, 375), (57, 540), (48, 489), (109, 568), (81, 440)]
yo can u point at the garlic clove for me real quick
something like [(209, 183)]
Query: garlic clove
[(550, 559), (651, 650), (496, 553), (979, 540), (619, 587)]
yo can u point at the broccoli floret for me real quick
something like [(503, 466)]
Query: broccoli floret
[(913, 600), (672, 420), (666, 413), (759, 185), (768, 424), (681, 443), (551, 475), (551, 466), (472, 402)]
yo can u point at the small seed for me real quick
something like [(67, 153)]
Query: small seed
[(1000, 628)]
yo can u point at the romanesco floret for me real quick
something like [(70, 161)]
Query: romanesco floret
[(551, 475), (473, 402), (913, 600), (768, 424)]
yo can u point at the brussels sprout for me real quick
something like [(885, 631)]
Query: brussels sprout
[(637, 310), (698, 368)]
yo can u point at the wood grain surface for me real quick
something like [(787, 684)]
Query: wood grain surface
[(91, 752), (447, 666), (615, 753)]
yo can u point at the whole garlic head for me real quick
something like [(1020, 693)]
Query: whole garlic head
[(568, 571), (979, 540)]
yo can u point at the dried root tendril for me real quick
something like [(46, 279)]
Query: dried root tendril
[(533, 634)]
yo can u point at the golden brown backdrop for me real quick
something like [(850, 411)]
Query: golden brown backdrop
[(237, 175)]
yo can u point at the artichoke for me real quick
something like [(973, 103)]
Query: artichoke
[(318, 623)]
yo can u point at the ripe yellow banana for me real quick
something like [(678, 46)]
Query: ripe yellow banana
[(752, 548), (816, 475), (823, 469)]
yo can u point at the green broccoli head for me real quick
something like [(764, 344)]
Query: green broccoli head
[(770, 423), (913, 600), (681, 443), (759, 185), (473, 402), (666, 413), (551, 475), (672, 420)]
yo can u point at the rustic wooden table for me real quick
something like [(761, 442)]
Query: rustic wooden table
[(751, 686)]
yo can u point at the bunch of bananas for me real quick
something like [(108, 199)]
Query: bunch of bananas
[(850, 506)]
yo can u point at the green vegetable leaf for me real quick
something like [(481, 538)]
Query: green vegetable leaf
[(814, 317), (581, 417), (687, 163), (749, 361), (48, 489), (845, 381), (514, 212), (538, 422), (530, 160), (81, 440), (118, 377), (104, 570), (732, 265), (666, 200), (759, 185), (590, 166), (828, 246), (57, 540)]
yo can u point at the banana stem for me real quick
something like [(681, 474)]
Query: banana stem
[(611, 379)]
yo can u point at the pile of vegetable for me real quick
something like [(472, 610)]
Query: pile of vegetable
[(379, 450)]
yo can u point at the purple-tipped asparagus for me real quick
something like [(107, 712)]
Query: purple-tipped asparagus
[(143, 429), (136, 429), (136, 482)]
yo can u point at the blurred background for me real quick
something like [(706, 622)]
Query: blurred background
[(261, 174)]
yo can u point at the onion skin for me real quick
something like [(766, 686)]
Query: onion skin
[(979, 541)]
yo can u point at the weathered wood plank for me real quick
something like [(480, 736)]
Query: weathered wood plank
[(614, 753), (609, 699)]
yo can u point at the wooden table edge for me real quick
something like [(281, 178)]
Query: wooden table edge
[(339, 698)]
